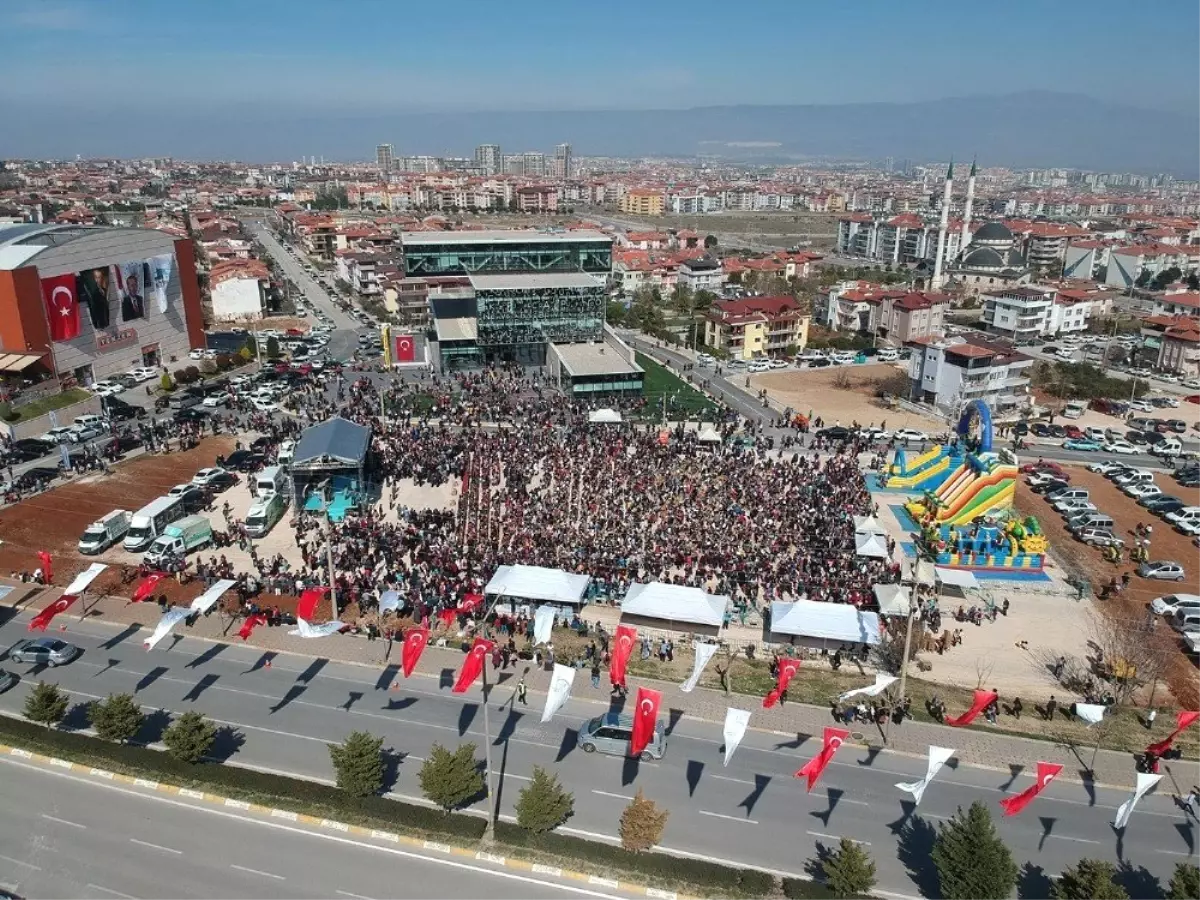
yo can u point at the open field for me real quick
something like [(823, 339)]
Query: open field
[(842, 394), (786, 227)]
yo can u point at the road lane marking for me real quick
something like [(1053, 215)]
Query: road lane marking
[(705, 812), (834, 837), (257, 872), (1067, 837), (1168, 852), (853, 802), (63, 821), (352, 896), (610, 794), (734, 780), (100, 887), (155, 846), (21, 862)]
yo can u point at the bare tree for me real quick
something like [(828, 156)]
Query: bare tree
[(983, 672), (1129, 653)]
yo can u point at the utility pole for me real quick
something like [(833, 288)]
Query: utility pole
[(489, 833), (912, 609)]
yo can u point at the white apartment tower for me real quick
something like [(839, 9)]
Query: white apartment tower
[(488, 159), (385, 157), (562, 161)]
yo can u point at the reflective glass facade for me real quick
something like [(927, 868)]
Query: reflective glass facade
[(590, 255), (516, 324)]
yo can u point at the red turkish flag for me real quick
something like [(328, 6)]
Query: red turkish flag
[(1183, 721), (473, 664), (62, 307), (306, 606), (146, 588), (406, 348), (250, 624), (829, 745), (788, 667), (982, 699), (645, 719), (42, 619), (414, 645), (469, 603), (1045, 774), (47, 566), (622, 649)]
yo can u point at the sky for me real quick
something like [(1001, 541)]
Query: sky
[(415, 55)]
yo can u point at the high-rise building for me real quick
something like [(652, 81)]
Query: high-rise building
[(488, 159), (562, 161), (384, 157), (533, 163)]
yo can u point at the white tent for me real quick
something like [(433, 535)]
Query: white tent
[(537, 583), (868, 525), (824, 621), (708, 435), (871, 545), (893, 599), (604, 415), (959, 578), (674, 603)]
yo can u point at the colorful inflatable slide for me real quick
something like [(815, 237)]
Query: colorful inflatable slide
[(925, 473)]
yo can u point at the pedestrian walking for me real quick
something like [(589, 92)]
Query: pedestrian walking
[(596, 675), (1051, 708), (1017, 707), (522, 692), (1191, 801)]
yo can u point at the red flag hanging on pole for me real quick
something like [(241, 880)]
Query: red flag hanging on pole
[(47, 566), (469, 603), (1045, 774), (62, 307), (622, 648), (250, 624), (788, 667), (306, 606), (812, 769), (982, 699), (147, 586), (645, 719), (42, 619), (1182, 722), (414, 645), (473, 664)]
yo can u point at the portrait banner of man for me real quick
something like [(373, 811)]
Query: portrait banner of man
[(93, 287), (133, 290)]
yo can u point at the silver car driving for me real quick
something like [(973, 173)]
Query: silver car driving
[(612, 732)]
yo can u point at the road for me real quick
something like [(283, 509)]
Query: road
[(752, 812), (65, 836)]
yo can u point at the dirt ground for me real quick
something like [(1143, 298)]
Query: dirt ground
[(855, 401)]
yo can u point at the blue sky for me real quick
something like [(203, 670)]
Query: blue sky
[(408, 55)]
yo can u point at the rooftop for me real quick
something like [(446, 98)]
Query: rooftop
[(501, 236), (533, 281), (582, 360), (460, 329)]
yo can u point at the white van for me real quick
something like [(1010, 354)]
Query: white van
[(287, 452), (1189, 515), (1075, 409), (264, 513), (269, 481), (1168, 448)]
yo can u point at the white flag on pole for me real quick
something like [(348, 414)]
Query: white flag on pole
[(1125, 810), (704, 652), (170, 619), (937, 758), (208, 599), (543, 624), (882, 683), (84, 578), (560, 690), (305, 629), (736, 721), (1091, 713)]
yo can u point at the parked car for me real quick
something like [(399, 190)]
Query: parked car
[(8, 680), (48, 651), (1046, 465), (1099, 537), (1161, 570), (1161, 504), (215, 479), (835, 433), (1103, 468), (1083, 444), (1073, 432), (1171, 603), (1120, 446), (910, 434), (1139, 491), (1050, 486)]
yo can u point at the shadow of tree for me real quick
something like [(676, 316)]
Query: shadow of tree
[(392, 760), (466, 716), (227, 742), (153, 727), (1138, 881), (816, 865), (76, 718), (1033, 883), (914, 849)]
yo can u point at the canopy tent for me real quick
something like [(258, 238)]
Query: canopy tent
[(893, 599), (820, 622), (604, 415), (538, 583), (708, 435), (333, 444), (868, 525), (874, 545), (925, 573), (674, 603), (959, 578)]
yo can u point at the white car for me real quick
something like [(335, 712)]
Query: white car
[(1138, 491), (1192, 383), (760, 365), (212, 401), (1172, 603), (1103, 468), (1141, 406), (180, 489), (196, 354), (60, 435), (265, 405), (143, 373), (910, 434), (238, 380), (1120, 447), (778, 363), (1071, 508), (205, 477), (109, 386)]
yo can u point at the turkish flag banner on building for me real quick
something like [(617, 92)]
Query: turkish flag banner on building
[(414, 645), (622, 648), (44, 618), (62, 307), (47, 566), (832, 740), (1045, 774), (146, 588), (1182, 722), (645, 718), (473, 664), (982, 699), (788, 667), (250, 624), (406, 348)]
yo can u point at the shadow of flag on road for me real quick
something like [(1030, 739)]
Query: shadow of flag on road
[(1047, 827), (760, 787), (150, 677), (386, 677), (200, 687), (209, 654), (1015, 771), (293, 693), (128, 632), (907, 808), (695, 768), (570, 741), (834, 795), (263, 662), (314, 669), (466, 716)]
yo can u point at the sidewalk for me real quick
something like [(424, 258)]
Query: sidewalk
[(975, 745)]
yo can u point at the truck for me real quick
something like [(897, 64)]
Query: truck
[(149, 521), (105, 532), (180, 539), (271, 480), (1075, 409), (264, 513)]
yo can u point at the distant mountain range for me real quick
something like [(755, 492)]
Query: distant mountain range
[(1030, 129)]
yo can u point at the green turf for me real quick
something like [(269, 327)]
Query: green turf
[(681, 396)]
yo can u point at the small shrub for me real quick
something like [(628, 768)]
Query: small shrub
[(118, 719), (190, 737), (642, 824), (850, 871), (46, 704), (193, 374), (225, 361), (543, 804), (1089, 879), (450, 780), (1185, 883), (358, 762), (180, 376), (801, 889)]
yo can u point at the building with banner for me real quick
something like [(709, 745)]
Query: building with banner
[(84, 303)]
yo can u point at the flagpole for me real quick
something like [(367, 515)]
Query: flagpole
[(489, 832), (912, 608)]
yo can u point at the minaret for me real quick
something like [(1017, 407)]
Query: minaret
[(939, 260), (966, 226)]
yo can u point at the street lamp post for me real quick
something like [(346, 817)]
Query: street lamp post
[(489, 833)]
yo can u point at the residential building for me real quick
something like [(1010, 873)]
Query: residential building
[(533, 164), (704, 273), (949, 374), (537, 198), (892, 315), (1177, 303), (488, 159), (385, 157), (757, 326), (903, 239), (1177, 340), (1086, 260), (467, 252), (1128, 264), (642, 202), (1022, 314), (238, 289), (1044, 244), (563, 162)]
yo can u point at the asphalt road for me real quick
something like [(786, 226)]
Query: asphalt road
[(65, 836), (753, 812)]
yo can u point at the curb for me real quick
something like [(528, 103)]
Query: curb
[(498, 859)]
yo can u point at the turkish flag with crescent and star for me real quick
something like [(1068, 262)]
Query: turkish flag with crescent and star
[(406, 349), (645, 718), (473, 664), (1045, 774), (42, 619), (787, 668), (1183, 721), (146, 587), (829, 745), (62, 307), (414, 645), (622, 648), (250, 624)]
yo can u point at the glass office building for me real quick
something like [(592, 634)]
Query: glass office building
[(468, 252), (517, 316)]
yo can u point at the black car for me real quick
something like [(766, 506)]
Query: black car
[(1057, 431), (194, 500), (1040, 429), (260, 444), (1049, 487), (222, 482), (1021, 429), (244, 461), (15, 454), (32, 445), (1137, 438), (835, 433), (192, 414), (124, 412), (127, 441)]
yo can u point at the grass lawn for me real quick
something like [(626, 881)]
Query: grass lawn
[(42, 406), (682, 398)]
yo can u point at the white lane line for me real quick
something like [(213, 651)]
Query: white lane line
[(156, 846), (615, 796), (21, 862), (63, 821), (100, 887), (352, 896), (257, 872), (834, 837), (734, 780), (1067, 837), (705, 812), (1168, 852), (853, 802)]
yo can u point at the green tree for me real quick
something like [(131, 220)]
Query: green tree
[(118, 718), (615, 313), (1089, 879), (642, 824), (272, 347), (971, 861), (710, 241), (358, 762), (1185, 883), (543, 804), (46, 704), (850, 871), (448, 779), (190, 737), (166, 382)]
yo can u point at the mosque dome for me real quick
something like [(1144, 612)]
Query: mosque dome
[(993, 233)]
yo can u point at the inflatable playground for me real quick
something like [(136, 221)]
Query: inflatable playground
[(965, 514)]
